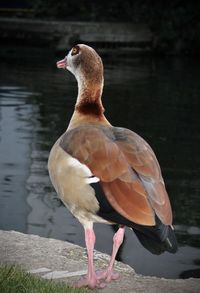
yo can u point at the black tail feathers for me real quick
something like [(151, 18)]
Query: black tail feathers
[(157, 239)]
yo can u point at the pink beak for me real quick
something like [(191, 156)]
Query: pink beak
[(62, 63)]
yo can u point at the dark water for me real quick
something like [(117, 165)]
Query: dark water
[(159, 99)]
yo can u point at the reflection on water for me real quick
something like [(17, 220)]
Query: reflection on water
[(159, 99)]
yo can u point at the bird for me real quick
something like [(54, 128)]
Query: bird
[(107, 174)]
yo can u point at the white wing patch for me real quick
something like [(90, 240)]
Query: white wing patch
[(92, 179), (75, 163), (89, 177)]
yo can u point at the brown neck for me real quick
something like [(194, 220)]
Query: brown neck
[(88, 108), (89, 98), (89, 102)]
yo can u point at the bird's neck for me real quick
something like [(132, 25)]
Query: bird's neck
[(89, 97), (88, 108)]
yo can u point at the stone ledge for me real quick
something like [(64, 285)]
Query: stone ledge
[(64, 261)]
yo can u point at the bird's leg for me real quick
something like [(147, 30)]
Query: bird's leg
[(108, 274), (90, 241), (90, 280)]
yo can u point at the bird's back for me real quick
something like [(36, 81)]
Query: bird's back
[(126, 167), (130, 190)]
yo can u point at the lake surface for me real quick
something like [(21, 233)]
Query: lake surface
[(157, 98)]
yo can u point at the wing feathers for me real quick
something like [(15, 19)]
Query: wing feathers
[(127, 168), (128, 202)]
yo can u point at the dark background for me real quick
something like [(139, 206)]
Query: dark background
[(175, 24), (155, 94)]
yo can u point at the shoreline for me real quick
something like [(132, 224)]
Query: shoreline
[(46, 257)]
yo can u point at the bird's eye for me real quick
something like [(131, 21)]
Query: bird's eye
[(75, 50)]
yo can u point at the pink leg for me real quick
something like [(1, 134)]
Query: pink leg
[(90, 280), (108, 274)]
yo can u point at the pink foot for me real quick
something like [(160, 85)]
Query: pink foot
[(92, 282), (107, 275)]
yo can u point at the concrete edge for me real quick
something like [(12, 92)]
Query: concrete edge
[(61, 260)]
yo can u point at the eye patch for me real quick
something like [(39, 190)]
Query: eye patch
[(75, 50)]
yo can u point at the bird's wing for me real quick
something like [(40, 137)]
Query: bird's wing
[(143, 160), (127, 168)]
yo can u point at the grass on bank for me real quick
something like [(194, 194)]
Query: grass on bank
[(14, 280)]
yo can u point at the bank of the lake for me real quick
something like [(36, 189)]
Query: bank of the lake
[(61, 260)]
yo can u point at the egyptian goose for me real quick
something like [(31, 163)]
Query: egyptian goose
[(107, 174)]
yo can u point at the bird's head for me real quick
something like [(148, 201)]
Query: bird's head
[(84, 63)]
